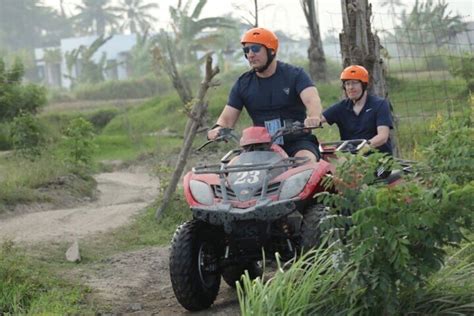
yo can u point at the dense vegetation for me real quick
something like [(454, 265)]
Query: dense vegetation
[(387, 247)]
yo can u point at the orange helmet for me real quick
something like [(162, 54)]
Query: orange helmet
[(262, 36), (355, 72)]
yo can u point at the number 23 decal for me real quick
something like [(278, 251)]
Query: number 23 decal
[(247, 177)]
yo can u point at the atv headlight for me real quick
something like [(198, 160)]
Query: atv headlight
[(294, 184), (201, 192)]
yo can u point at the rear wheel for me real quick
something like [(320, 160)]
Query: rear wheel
[(310, 228), (194, 266), (232, 274)]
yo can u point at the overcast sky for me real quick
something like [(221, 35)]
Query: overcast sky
[(287, 15)]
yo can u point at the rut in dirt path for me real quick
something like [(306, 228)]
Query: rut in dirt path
[(121, 195), (138, 282)]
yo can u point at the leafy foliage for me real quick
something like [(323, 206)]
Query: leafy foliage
[(29, 24), (397, 234), (27, 135), (463, 67), (79, 142), (137, 16), (452, 150), (16, 97), (95, 16), (188, 29), (389, 243), (90, 71)]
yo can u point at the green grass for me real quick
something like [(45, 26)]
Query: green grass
[(153, 115), (20, 177), (450, 290), (310, 286), (27, 286), (123, 147), (425, 98)]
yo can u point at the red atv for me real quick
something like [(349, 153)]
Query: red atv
[(255, 203)]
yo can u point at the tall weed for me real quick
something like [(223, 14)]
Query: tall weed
[(27, 288), (310, 286), (18, 184)]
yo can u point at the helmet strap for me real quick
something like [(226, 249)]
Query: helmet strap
[(364, 88), (270, 58)]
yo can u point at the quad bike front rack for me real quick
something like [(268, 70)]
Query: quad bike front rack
[(224, 169)]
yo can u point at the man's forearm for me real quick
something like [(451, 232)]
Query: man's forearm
[(383, 133), (228, 117), (312, 102)]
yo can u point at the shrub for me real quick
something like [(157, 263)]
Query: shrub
[(79, 143), (397, 234), (15, 97), (5, 138), (451, 151), (27, 135), (102, 117), (463, 67)]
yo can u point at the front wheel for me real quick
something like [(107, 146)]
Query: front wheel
[(194, 266), (311, 233)]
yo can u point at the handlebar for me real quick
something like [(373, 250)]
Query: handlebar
[(352, 146), (293, 127), (224, 135)]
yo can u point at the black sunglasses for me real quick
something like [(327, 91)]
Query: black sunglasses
[(254, 48)]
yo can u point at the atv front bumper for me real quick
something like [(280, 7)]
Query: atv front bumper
[(225, 214)]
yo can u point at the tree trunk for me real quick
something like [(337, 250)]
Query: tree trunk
[(255, 2), (359, 46), (317, 59), (196, 117)]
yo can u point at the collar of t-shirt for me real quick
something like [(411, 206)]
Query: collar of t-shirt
[(350, 105)]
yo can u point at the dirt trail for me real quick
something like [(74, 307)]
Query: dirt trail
[(128, 283), (122, 194)]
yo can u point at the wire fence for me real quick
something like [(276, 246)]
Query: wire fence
[(421, 61)]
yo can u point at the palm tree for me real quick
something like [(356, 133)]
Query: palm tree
[(188, 29), (28, 24), (95, 16), (428, 26), (392, 4), (137, 16)]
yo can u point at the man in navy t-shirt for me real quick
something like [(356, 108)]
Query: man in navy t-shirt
[(361, 116), (273, 92)]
